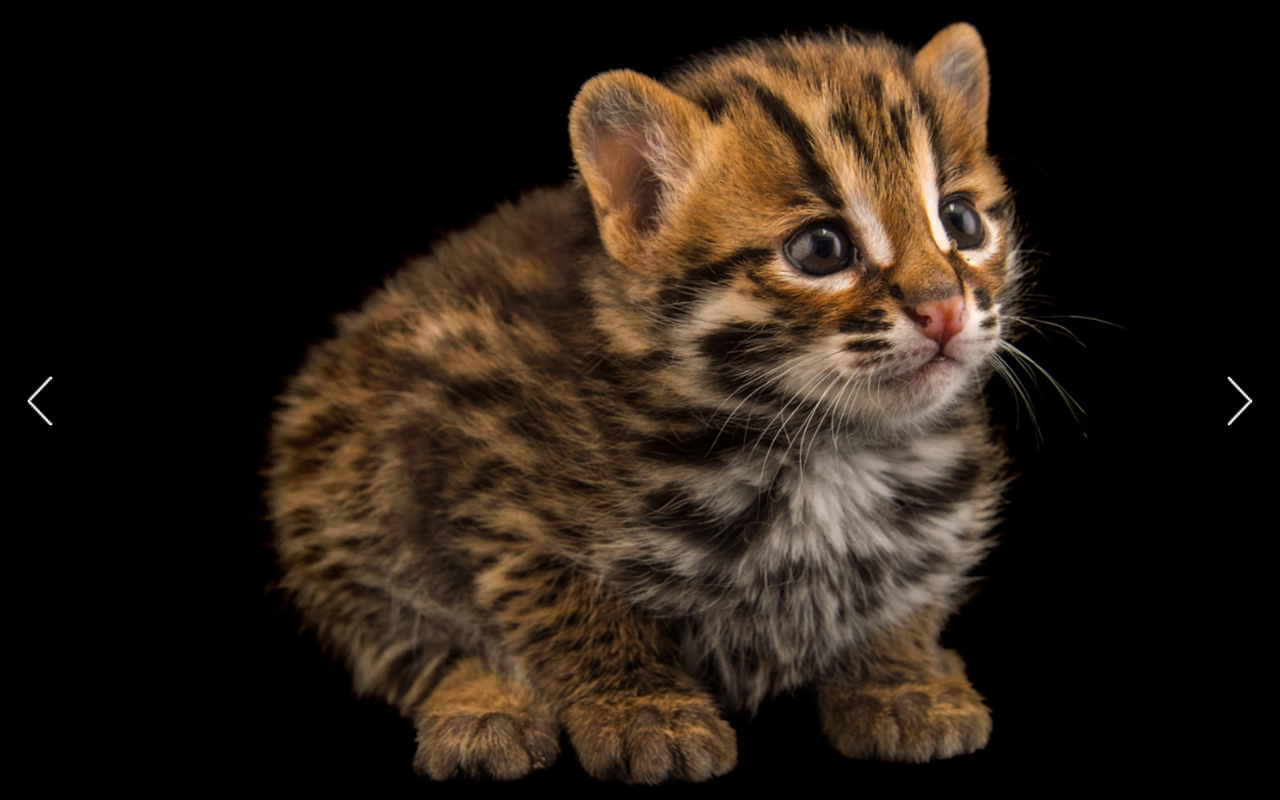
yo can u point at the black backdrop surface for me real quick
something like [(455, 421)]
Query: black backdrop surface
[(296, 163)]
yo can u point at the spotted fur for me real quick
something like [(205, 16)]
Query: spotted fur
[(611, 460)]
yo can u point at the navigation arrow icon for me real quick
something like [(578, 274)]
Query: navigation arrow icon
[(1247, 398), (46, 383)]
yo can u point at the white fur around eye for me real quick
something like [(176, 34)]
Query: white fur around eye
[(870, 233), (932, 199)]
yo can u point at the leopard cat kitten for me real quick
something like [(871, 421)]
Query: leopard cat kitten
[(701, 427)]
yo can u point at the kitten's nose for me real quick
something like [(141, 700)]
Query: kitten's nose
[(940, 319)]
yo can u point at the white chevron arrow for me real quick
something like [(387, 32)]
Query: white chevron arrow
[(1248, 400), (46, 383)]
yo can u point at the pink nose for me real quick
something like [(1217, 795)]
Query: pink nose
[(940, 319)]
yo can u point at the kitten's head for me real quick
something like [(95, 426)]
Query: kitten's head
[(807, 224)]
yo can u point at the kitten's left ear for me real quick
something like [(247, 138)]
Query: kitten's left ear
[(955, 60)]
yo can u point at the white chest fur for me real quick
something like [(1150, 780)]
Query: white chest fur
[(847, 543)]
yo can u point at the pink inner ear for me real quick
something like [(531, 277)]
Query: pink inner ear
[(633, 185)]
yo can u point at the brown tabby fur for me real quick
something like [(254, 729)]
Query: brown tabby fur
[(606, 461)]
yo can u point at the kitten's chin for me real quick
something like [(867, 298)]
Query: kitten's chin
[(916, 394)]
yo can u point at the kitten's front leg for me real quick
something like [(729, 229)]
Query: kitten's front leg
[(630, 709), (904, 698)]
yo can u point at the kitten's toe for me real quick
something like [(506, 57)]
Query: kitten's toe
[(499, 745), (918, 721), (652, 739)]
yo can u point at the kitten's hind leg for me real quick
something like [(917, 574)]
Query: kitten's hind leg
[(478, 724), (904, 698)]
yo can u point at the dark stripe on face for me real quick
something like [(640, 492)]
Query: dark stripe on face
[(738, 344), (816, 175), (846, 124), (714, 103), (723, 270), (867, 346), (958, 266), (869, 322), (1002, 211), (983, 298), (900, 122), (677, 297), (929, 111)]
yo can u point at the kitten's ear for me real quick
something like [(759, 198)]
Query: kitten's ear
[(633, 140), (957, 62)]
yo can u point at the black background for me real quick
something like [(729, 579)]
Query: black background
[(197, 206)]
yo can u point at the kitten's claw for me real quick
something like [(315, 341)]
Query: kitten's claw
[(652, 739)]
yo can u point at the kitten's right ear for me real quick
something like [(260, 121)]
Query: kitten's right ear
[(633, 140), (957, 61)]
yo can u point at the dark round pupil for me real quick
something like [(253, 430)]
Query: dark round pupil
[(824, 244), (962, 219)]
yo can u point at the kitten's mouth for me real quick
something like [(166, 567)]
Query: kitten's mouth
[(931, 377)]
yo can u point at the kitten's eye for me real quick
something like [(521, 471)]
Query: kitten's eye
[(821, 248), (962, 222)]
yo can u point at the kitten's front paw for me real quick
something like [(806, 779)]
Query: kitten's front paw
[(916, 721), (503, 745), (652, 739)]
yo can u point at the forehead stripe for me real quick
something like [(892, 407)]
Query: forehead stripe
[(898, 118), (846, 125), (818, 176)]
